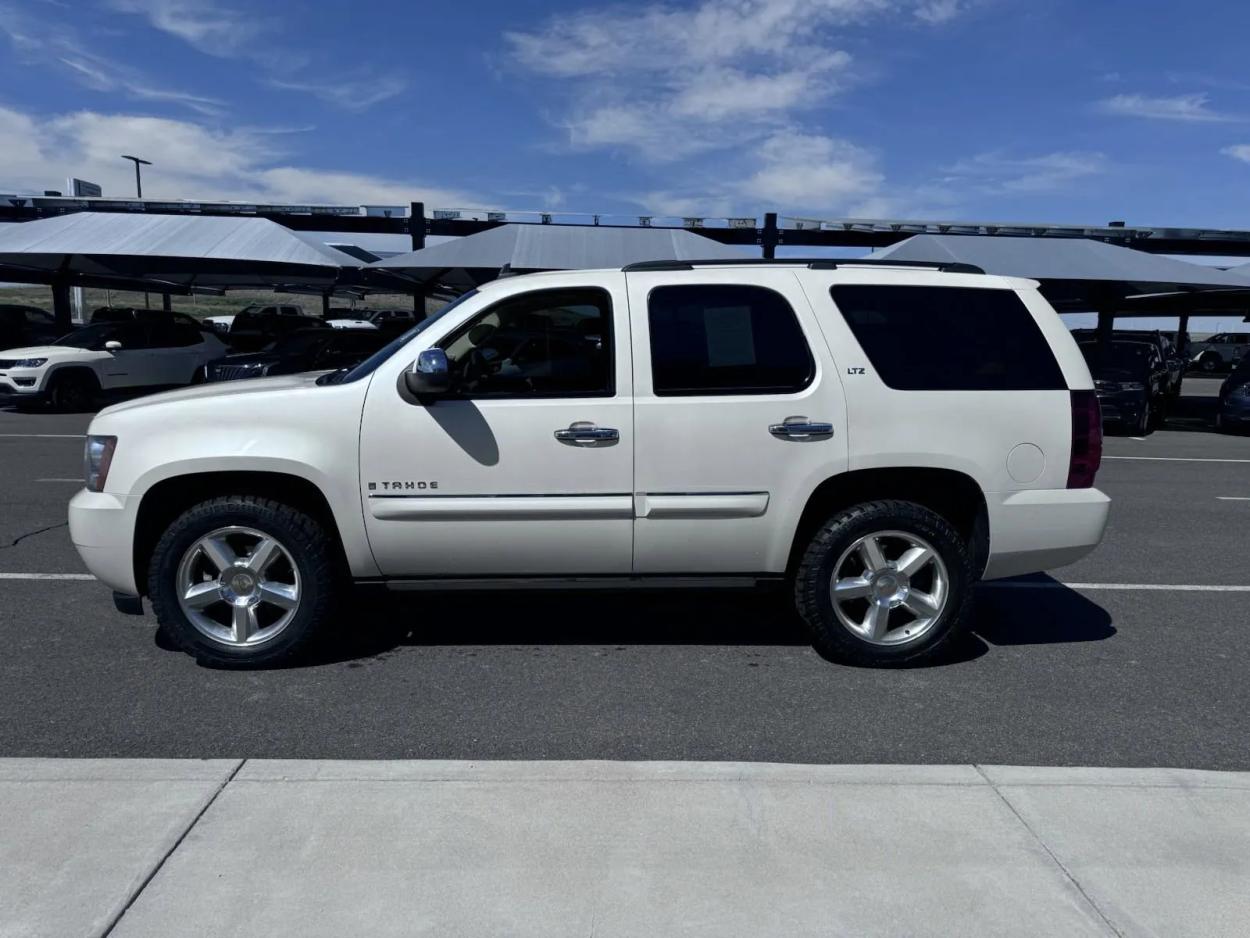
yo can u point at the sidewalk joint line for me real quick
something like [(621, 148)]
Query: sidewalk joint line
[(170, 852), (1050, 853)]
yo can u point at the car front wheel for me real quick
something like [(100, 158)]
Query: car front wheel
[(884, 583), (243, 580)]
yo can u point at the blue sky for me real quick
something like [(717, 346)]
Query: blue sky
[(1063, 110)]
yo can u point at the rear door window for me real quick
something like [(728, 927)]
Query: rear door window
[(949, 338), (726, 339)]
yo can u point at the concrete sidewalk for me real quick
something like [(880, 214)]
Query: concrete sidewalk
[(159, 848)]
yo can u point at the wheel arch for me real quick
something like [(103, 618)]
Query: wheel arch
[(954, 495), (168, 498)]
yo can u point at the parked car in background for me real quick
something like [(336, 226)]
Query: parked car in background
[(27, 325), (218, 323), (256, 326), (140, 314), (1172, 359), (392, 321), (1220, 352), (344, 318), (105, 360), (1233, 412), (317, 349), (658, 425), (1131, 379)]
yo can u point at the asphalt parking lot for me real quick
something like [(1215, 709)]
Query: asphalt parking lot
[(1138, 661)]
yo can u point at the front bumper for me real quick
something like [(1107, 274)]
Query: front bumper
[(102, 527), (1235, 410), (1117, 409), (20, 385), (1041, 529)]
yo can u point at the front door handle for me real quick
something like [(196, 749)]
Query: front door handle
[(585, 433), (800, 428)]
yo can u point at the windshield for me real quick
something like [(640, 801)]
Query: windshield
[(89, 336), (370, 364), (1117, 356), (298, 343)]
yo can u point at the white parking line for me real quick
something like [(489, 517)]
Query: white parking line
[(1172, 459), (1128, 587), (1231, 498), (43, 436), (46, 576), (59, 480)]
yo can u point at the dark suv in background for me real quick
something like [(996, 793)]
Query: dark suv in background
[(1233, 412), (27, 326), (1131, 379), (1171, 356)]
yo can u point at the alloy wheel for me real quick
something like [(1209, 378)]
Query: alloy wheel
[(889, 588), (238, 586)]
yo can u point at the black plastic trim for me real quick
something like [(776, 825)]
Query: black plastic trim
[(950, 267)]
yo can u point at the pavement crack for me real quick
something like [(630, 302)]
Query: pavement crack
[(1076, 883), (170, 852), (21, 537)]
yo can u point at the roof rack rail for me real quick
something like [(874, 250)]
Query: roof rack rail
[(821, 263)]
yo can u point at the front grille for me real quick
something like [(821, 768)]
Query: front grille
[(233, 372)]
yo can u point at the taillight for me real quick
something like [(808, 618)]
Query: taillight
[(1086, 440)]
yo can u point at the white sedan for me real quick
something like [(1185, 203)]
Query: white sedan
[(105, 360)]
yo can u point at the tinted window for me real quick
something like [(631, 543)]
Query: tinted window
[(549, 343), (1135, 357), (175, 335), (949, 338), (726, 339)]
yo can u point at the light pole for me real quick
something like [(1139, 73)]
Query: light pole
[(138, 179)]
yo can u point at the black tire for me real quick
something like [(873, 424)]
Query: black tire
[(836, 536), (73, 392), (310, 546), (1210, 361), (1145, 423)]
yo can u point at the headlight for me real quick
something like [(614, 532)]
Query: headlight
[(1240, 391), (30, 363), (97, 457)]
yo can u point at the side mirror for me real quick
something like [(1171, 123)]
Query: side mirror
[(429, 376), (112, 345)]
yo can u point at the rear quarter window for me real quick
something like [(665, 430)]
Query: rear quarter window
[(949, 338)]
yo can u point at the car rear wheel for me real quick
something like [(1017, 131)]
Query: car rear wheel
[(73, 392), (1210, 361), (884, 583), (242, 580)]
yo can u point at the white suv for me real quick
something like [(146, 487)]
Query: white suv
[(104, 360), (877, 437)]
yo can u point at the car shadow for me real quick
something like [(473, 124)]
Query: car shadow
[(1045, 612)]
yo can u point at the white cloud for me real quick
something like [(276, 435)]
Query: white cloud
[(998, 173), (940, 11), (666, 82), (210, 27), (62, 48), (1184, 107), (788, 170), (1240, 151), (348, 94), (190, 161)]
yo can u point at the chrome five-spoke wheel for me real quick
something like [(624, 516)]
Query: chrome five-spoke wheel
[(238, 586), (889, 588)]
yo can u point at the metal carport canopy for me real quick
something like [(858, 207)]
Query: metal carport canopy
[(1075, 273), (475, 259), (175, 252)]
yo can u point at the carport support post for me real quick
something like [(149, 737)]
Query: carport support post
[(167, 302), (1182, 334), (61, 305), (325, 306), (770, 236), (1106, 327), (416, 224)]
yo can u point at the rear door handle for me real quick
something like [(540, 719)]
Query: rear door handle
[(585, 433), (800, 428)]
